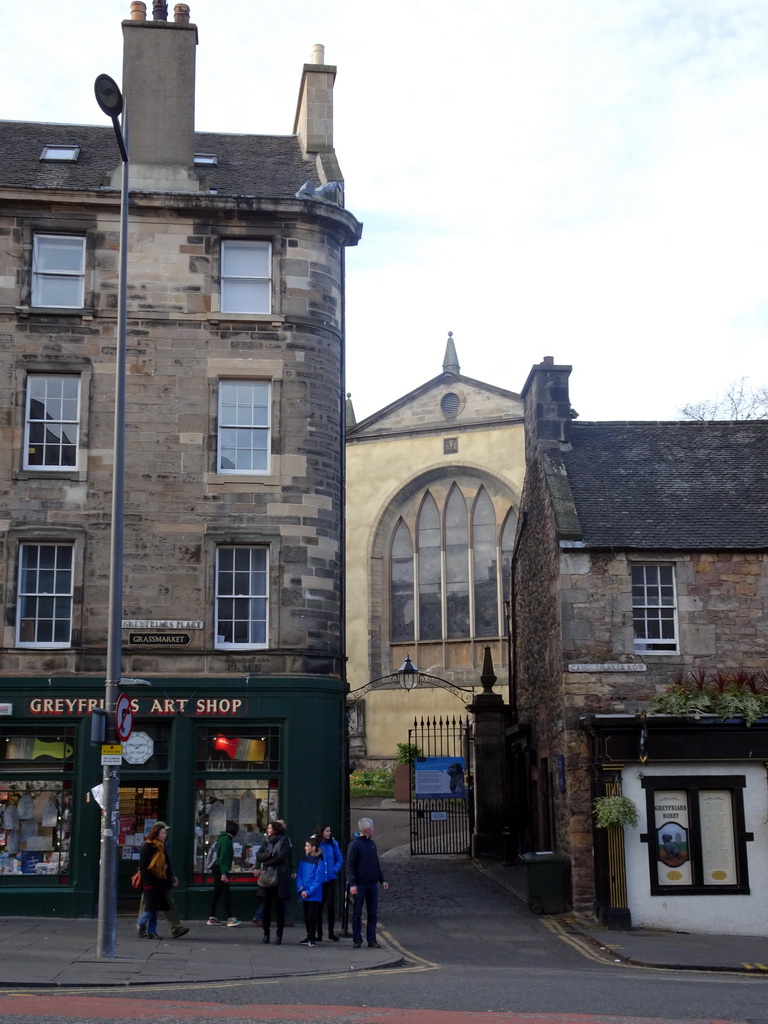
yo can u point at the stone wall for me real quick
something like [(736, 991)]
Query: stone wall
[(722, 602), (575, 608), (543, 703), (177, 507)]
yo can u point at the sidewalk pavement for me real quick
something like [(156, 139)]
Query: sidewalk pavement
[(648, 947), (42, 952), (48, 951)]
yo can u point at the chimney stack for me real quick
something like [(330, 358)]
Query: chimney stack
[(159, 95), (314, 112), (548, 411)]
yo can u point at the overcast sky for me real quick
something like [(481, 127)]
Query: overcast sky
[(585, 179)]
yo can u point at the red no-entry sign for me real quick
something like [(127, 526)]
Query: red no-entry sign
[(123, 717)]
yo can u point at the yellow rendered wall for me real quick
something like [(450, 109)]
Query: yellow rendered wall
[(376, 473)]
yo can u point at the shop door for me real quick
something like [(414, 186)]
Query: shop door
[(139, 807)]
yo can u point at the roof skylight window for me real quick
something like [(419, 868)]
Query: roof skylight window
[(206, 159), (60, 153)]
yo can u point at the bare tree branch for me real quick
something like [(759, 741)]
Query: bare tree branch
[(738, 402)]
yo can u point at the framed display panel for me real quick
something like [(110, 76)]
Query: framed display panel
[(696, 835)]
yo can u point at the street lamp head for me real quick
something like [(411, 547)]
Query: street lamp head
[(108, 96), (407, 674)]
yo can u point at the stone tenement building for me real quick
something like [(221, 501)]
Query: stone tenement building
[(642, 563), (233, 483)]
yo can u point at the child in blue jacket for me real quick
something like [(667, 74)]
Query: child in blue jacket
[(309, 885)]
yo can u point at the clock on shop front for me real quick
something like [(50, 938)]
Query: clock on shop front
[(138, 748)]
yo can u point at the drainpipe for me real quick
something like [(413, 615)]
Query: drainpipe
[(512, 624)]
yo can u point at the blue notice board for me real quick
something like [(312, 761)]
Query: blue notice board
[(440, 777)]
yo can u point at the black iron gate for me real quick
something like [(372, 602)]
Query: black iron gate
[(441, 786)]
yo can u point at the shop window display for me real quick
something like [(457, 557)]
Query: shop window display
[(238, 748), (139, 810), (46, 750), (251, 803), (35, 827)]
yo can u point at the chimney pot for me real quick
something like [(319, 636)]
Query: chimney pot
[(548, 361), (138, 10), (181, 14), (160, 10), (318, 54)]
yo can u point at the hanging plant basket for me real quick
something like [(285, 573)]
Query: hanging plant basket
[(615, 812)]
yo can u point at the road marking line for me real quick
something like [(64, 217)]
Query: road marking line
[(425, 964)]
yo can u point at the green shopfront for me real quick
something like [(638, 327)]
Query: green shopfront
[(202, 752)]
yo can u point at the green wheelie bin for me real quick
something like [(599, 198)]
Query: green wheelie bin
[(546, 877)]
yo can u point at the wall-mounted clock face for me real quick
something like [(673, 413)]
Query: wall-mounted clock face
[(138, 748)]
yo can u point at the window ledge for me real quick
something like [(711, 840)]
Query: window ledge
[(55, 311), (43, 647), (241, 647), (50, 473), (657, 654), (224, 479), (274, 318)]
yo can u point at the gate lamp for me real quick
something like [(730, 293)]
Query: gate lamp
[(407, 674)]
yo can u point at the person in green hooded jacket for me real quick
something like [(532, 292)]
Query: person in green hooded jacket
[(220, 871)]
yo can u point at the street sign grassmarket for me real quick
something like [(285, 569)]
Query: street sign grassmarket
[(159, 639)]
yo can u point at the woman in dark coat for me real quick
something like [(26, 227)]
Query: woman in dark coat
[(275, 852), (156, 880)]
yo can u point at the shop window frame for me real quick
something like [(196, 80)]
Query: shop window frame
[(50, 777), (235, 774), (227, 765)]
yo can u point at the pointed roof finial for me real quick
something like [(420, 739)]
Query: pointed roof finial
[(349, 412), (451, 360)]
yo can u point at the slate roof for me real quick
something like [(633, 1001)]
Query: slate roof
[(683, 485), (265, 166)]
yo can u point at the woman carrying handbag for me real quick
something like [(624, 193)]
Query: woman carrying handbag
[(274, 885)]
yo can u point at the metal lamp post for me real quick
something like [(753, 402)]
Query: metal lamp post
[(110, 100)]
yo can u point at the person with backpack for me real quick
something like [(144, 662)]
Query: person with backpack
[(219, 862)]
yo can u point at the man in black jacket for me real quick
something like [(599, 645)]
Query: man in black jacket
[(364, 876)]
